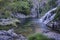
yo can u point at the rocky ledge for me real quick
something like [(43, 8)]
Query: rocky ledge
[(10, 35), (54, 25)]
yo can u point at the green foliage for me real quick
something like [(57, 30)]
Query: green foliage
[(24, 29), (7, 27), (38, 37), (20, 7), (52, 3), (57, 17), (15, 6), (25, 0), (48, 5)]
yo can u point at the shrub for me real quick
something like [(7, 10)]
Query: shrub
[(38, 37), (14, 6), (48, 5), (57, 17), (20, 7), (52, 3)]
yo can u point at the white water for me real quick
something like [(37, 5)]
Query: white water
[(48, 16)]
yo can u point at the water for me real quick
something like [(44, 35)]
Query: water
[(48, 16)]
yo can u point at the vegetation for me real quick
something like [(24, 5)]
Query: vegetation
[(7, 27), (25, 29), (47, 6), (8, 7), (14, 6), (20, 7), (38, 37), (57, 17)]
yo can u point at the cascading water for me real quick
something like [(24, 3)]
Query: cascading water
[(48, 16)]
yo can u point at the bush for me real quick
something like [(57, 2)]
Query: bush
[(14, 6), (57, 17), (7, 27), (20, 7), (48, 5), (38, 37), (52, 3)]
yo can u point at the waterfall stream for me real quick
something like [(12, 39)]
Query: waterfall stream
[(48, 16)]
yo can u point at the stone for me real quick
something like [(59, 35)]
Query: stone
[(54, 25), (10, 35)]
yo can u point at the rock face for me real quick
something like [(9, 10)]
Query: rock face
[(58, 2), (8, 21), (10, 35), (54, 25)]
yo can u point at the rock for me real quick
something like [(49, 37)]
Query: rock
[(10, 35), (54, 25), (5, 37), (58, 2), (8, 21)]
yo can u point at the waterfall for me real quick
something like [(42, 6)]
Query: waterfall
[(35, 8), (48, 16)]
